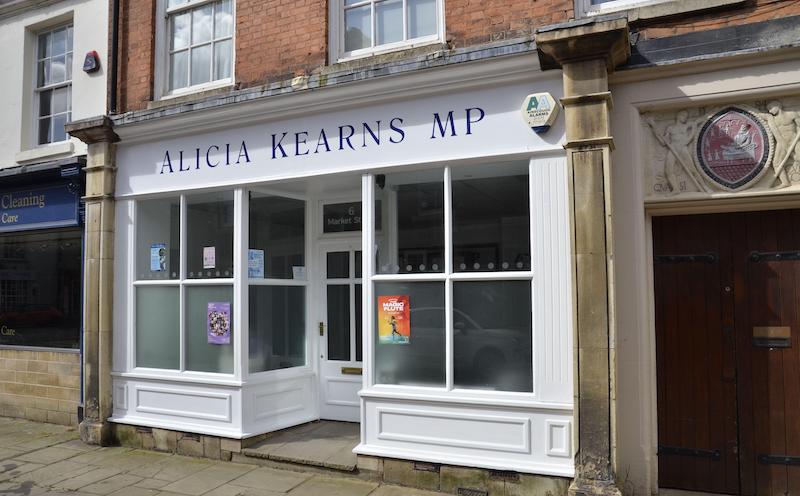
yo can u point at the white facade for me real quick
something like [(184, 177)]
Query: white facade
[(19, 27), (180, 157)]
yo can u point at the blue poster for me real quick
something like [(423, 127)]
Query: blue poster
[(255, 264), (158, 257)]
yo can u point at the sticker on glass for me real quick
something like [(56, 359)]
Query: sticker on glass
[(394, 323), (219, 323), (158, 257), (255, 264), (209, 257)]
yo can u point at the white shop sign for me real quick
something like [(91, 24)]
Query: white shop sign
[(481, 123)]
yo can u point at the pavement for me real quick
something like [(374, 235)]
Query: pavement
[(44, 459)]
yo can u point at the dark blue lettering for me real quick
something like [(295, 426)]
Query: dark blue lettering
[(243, 151), (322, 140), (366, 129), (437, 120), (470, 122), (278, 146), (396, 128), (197, 159), (298, 142), (208, 152), (167, 163), (227, 154), (180, 162), (343, 138)]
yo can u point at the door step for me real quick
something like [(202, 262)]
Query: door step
[(324, 444)]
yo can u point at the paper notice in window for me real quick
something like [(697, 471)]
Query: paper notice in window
[(219, 323), (158, 257), (209, 257), (255, 264), (394, 322)]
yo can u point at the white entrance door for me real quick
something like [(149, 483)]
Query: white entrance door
[(340, 332)]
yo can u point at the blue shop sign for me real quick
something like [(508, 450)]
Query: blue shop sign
[(40, 208)]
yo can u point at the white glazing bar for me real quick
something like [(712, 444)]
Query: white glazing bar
[(533, 189), (227, 281), (157, 282), (368, 249), (131, 292), (277, 282), (491, 276), (181, 315), (312, 340), (410, 277), (448, 285), (240, 293)]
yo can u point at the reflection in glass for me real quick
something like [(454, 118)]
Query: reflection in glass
[(202, 24), (222, 59), (277, 226), (389, 21), (59, 133), (223, 19), (158, 327), (358, 33), (181, 31), (277, 327), (40, 288), (421, 362), (179, 69), (209, 231), (158, 239), (338, 264), (491, 218), (359, 322), (338, 321), (492, 336), (201, 64), (200, 355), (421, 18)]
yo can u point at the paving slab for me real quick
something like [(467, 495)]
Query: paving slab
[(22, 489), (54, 473), (48, 455), (152, 483), (209, 478), (281, 481), (112, 484), (172, 469), (134, 491), (402, 491), (13, 468), (85, 479), (318, 486), (320, 444)]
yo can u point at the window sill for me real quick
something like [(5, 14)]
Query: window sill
[(652, 9), (392, 52), (192, 93), (45, 151), (462, 397)]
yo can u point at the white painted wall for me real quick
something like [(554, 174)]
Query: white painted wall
[(17, 67), (636, 433)]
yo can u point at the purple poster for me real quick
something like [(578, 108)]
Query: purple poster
[(219, 323)]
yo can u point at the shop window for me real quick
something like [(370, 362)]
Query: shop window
[(158, 327), (462, 231), (158, 239), (200, 43), (209, 336), (277, 280), (53, 84), (365, 27), (209, 233), (40, 289)]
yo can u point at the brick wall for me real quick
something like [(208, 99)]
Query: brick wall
[(748, 12), (136, 55), (43, 386)]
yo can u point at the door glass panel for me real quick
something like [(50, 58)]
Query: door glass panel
[(358, 321), (358, 264), (338, 265), (339, 321)]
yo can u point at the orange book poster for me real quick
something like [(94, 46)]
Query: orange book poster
[(394, 322)]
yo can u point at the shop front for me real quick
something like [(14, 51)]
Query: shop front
[(399, 259), (41, 251)]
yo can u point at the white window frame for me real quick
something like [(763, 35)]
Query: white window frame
[(337, 32), (448, 277), (163, 51), (647, 9), (37, 90)]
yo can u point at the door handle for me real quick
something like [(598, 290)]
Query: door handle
[(321, 329)]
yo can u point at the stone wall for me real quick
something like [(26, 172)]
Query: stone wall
[(43, 386)]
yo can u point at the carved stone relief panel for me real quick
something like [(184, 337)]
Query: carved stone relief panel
[(720, 150)]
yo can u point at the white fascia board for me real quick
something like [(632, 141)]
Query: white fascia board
[(425, 82)]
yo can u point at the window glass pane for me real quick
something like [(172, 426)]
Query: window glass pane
[(389, 21), (358, 33), (223, 19), (491, 218), (492, 340), (175, 3), (222, 59), (416, 243), (69, 67), (158, 327), (59, 41), (44, 131), (60, 100), (44, 103), (59, 133), (209, 332), (277, 327), (201, 64), (44, 46), (359, 323), (43, 73), (338, 321), (179, 67), (40, 289), (158, 239), (202, 24), (180, 31), (69, 38), (209, 231), (338, 265), (358, 263), (421, 360), (58, 70), (277, 229), (421, 18)]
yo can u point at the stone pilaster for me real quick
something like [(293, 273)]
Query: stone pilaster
[(587, 51), (100, 169)]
